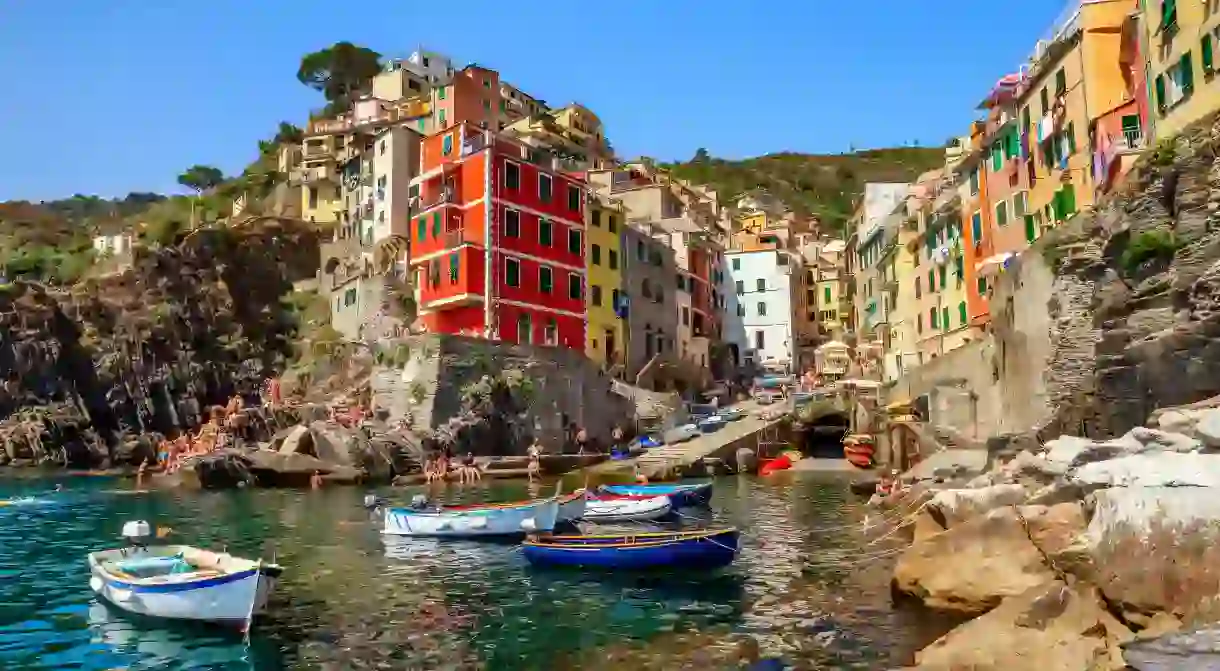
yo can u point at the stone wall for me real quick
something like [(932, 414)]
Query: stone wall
[(428, 375), (960, 386)]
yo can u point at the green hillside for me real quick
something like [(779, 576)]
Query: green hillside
[(811, 184)]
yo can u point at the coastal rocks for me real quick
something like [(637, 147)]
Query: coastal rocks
[(1049, 626), (1165, 469), (973, 566), (952, 506), (226, 469), (1195, 650)]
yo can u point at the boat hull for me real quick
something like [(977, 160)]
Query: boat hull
[(681, 496), (571, 506), (627, 509), (682, 550), (223, 599), (469, 523)]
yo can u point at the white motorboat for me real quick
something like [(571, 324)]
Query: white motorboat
[(512, 519), (181, 582), (627, 509)]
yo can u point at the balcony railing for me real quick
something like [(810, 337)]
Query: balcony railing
[(444, 197), (474, 144), (1133, 138), (460, 236)]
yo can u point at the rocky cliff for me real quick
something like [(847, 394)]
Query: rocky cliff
[(1135, 306), (90, 369)]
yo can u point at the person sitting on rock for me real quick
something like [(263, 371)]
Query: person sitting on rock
[(315, 480), (534, 466), (469, 470)]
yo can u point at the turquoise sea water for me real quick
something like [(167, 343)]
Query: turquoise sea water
[(351, 599)]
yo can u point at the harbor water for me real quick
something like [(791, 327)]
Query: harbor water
[(810, 586)]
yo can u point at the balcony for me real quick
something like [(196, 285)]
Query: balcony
[(430, 201), (316, 150), (473, 145), (313, 175)]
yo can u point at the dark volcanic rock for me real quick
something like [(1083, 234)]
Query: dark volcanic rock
[(88, 370)]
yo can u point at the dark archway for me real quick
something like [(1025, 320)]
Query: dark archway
[(822, 438)]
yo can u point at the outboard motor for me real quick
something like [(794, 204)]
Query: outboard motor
[(371, 501), (136, 534), (419, 502)]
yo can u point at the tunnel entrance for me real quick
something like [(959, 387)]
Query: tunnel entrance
[(823, 437)]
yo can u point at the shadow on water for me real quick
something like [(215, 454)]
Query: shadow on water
[(352, 599)]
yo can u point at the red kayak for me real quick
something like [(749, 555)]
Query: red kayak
[(780, 463)]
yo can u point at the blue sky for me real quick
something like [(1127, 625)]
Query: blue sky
[(110, 96)]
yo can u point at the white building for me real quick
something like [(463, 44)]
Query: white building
[(112, 245), (395, 163), (758, 309)]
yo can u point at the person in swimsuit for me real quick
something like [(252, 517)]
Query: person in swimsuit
[(535, 461), (470, 472)]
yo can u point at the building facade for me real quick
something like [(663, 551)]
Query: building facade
[(498, 247), (1180, 40), (605, 301), (648, 281), (758, 315)]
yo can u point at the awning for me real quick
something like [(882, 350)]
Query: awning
[(993, 263)]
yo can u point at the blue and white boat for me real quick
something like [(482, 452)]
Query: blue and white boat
[(181, 582), (680, 495), (705, 549), (513, 519)]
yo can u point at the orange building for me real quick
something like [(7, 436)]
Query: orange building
[(976, 223)]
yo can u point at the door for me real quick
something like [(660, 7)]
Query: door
[(610, 347), (523, 330)]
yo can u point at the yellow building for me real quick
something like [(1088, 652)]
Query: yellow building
[(604, 339), (909, 310), (1073, 77), (1180, 38), (321, 200)]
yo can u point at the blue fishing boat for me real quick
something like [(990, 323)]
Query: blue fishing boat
[(706, 549), (681, 496)]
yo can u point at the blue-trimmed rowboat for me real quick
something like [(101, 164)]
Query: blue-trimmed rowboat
[(183, 583), (680, 496), (706, 549)]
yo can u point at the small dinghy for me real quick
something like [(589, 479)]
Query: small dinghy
[(512, 519), (627, 508), (181, 582), (679, 495), (571, 507), (705, 549)]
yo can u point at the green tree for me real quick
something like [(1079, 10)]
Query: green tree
[(201, 178), (339, 71), (288, 134)]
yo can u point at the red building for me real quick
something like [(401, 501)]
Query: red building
[(492, 202)]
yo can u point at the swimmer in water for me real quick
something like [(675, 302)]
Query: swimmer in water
[(59, 488)]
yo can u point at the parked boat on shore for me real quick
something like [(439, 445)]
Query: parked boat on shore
[(680, 495), (181, 582), (706, 549), (627, 508)]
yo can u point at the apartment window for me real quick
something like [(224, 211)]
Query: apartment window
[(741, 310), (974, 182), (944, 274), (613, 259), (1175, 85), (545, 237), (762, 309), (640, 252), (575, 283), (826, 294), (982, 286), (441, 118), (573, 199), (614, 299), (944, 319), (1001, 213), (381, 147), (1205, 48), (1061, 83), (1031, 228), (313, 197), (611, 223), (1133, 132), (440, 92), (486, 105), (931, 280), (736, 264), (761, 284), (447, 144), (1018, 204), (741, 288), (686, 316), (550, 333), (349, 297), (1169, 16), (546, 279), (595, 254), (421, 229), (421, 125), (645, 288), (918, 293), (512, 223), (976, 229), (512, 272), (919, 324), (595, 294), (759, 340), (933, 318), (512, 175), (597, 219), (1045, 99), (436, 225), (781, 259), (544, 188), (962, 317), (574, 246), (454, 259)]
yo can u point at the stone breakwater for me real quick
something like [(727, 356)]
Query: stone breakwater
[(1079, 554)]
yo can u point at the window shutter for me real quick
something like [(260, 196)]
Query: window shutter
[(1188, 77), (1206, 47), (961, 313), (1071, 134), (1160, 92), (1031, 230)]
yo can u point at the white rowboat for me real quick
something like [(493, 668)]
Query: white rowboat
[(627, 509), (510, 520)]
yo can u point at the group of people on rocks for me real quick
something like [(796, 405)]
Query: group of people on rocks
[(438, 468), (223, 423)]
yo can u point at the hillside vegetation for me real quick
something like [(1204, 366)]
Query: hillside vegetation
[(811, 184)]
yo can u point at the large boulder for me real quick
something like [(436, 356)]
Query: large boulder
[(957, 505), (1164, 469), (973, 566), (1048, 627), (1195, 650)]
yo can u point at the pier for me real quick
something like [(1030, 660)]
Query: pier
[(758, 431)]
